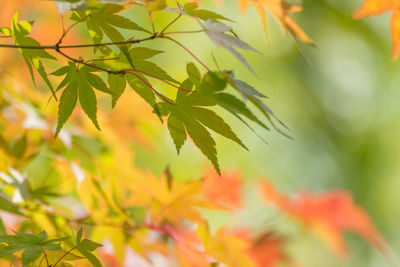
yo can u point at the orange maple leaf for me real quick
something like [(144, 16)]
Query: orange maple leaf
[(226, 247), (190, 250), (224, 189), (265, 250), (328, 215), (281, 10), (376, 7)]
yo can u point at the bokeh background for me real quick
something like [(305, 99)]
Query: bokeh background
[(340, 100)]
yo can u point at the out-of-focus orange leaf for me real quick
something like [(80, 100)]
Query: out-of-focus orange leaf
[(226, 247), (266, 250), (224, 189), (167, 200), (281, 10), (190, 251), (328, 215), (109, 260), (376, 7)]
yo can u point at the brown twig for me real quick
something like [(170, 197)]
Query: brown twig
[(152, 88), (65, 32), (187, 50), (152, 22), (183, 32), (45, 256), (56, 47), (63, 256), (158, 78), (40, 263), (171, 23), (101, 59)]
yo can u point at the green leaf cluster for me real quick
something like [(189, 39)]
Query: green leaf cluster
[(85, 247), (33, 57), (31, 245)]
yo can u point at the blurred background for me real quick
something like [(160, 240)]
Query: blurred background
[(340, 100)]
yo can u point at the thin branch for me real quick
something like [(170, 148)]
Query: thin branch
[(42, 47), (158, 78), (56, 47), (65, 32), (80, 61), (187, 50), (62, 23), (45, 256), (169, 24), (152, 88), (152, 22), (101, 59), (180, 32), (69, 251), (40, 263)]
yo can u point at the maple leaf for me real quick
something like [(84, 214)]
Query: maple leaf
[(188, 117), (19, 31), (281, 10), (217, 33), (328, 215), (226, 247), (376, 7), (267, 249), (168, 200), (224, 189), (190, 250)]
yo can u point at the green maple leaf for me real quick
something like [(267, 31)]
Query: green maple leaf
[(138, 80), (31, 245), (103, 21), (80, 84), (32, 57), (85, 247), (189, 116), (117, 85), (191, 9)]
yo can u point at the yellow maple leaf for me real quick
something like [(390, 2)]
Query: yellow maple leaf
[(225, 247), (166, 199)]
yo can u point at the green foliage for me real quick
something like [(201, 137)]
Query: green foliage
[(131, 66), (85, 247), (32, 57), (38, 248), (57, 179), (31, 245)]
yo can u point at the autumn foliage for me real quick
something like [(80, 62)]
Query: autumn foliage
[(71, 195)]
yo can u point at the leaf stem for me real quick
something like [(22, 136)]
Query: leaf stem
[(152, 22), (101, 59), (65, 32), (55, 47), (40, 263), (152, 88), (183, 32), (187, 50), (158, 78), (171, 23), (69, 251), (45, 256)]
